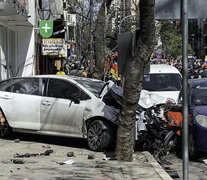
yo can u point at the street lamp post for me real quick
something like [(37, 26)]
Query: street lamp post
[(184, 15), (91, 36)]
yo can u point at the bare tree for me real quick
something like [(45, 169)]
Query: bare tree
[(99, 39), (127, 24), (133, 78)]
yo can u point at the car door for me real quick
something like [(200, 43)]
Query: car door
[(59, 112), (20, 102)]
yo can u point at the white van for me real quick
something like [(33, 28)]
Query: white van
[(163, 80)]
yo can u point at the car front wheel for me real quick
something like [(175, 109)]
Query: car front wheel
[(99, 135)]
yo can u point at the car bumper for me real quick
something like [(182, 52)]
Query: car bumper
[(200, 137)]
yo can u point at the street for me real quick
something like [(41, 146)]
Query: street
[(197, 170)]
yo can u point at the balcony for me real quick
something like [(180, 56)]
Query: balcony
[(14, 7)]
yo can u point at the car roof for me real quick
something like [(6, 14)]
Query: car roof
[(163, 68), (196, 82), (66, 77), (59, 77)]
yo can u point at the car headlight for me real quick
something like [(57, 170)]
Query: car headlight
[(201, 120)]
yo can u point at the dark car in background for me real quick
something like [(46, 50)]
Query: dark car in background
[(198, 120)]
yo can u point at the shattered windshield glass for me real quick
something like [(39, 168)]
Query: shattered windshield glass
[(161, 82), (93, 86), (199, 95)]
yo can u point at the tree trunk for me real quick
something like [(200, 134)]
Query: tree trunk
[(99, 40), (134, 75), (127, 24)]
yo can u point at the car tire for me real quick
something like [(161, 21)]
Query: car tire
[(99, 135), (178, 146), (5, 130), (193, 154), (169, 141)]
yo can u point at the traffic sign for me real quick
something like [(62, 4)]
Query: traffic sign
[(46, 28)]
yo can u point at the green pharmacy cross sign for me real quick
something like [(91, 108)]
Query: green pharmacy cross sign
[(46, 28)]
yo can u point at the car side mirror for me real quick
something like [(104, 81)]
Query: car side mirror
[(76, 98)]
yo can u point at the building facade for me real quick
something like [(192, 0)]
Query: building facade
[(20, 41), (17, 38), (64, 25)]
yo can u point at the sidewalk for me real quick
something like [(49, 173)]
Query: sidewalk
[(49, 167)]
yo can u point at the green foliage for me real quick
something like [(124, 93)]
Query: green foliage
[(171, 37)]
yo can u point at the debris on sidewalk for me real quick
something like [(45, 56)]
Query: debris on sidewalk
[(17, 141), (46, 153), (106, 158), (109, 156), (10, 171), (68, 162), (91, 156), (18, 161), (205, 161), (70, 154), (46, 146), (172, 172)]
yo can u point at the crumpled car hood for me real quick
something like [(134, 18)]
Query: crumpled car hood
[(149, 99), (112, 95), (106, 88)]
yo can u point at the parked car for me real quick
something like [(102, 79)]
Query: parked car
[(163, 80), (59, 105), (198, 120)]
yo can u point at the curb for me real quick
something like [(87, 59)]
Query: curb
[(163, 174)]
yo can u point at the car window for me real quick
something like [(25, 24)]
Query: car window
[(84, 96), (93, 86), (25, 86), (5, 85), (161, 82), (62, 89), (199, 95)]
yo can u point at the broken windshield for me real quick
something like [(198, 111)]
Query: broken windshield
[(161, 82), (93, 86)]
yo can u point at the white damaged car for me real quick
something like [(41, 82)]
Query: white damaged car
[(59, 105), (65, 106)]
